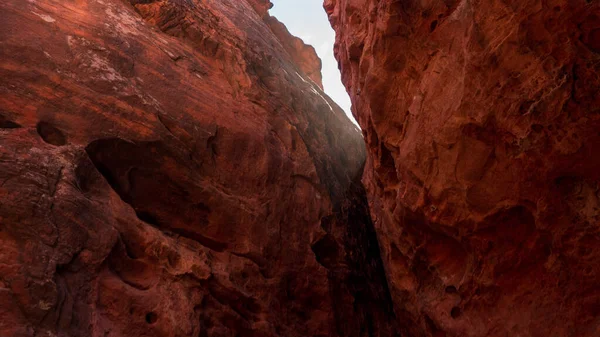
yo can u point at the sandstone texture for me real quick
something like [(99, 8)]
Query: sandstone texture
[(172, 168), (482, 123), (302, 54)]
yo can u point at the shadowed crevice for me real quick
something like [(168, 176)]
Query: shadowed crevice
[(142, 175)]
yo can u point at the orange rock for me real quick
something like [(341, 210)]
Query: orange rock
[(302, 54), (168, 168), (481, 121)]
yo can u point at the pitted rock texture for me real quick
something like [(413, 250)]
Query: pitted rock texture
[(167, 169), (482, 127)]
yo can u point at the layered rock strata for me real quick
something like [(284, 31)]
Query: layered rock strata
[(172, 168)]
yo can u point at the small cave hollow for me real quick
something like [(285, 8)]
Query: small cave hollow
[(451, 290), (151, 317), (5, 123), (50, 134), (433, 25), (455, 312), (326, 251)]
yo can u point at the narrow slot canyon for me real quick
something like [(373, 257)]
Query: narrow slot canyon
[(248, 168)]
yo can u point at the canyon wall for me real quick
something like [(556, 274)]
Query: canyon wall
[(482, 123), (173, 168)]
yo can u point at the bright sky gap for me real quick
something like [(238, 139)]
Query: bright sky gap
[(307, 20)]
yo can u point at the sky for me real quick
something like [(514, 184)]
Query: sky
[(307, 20)]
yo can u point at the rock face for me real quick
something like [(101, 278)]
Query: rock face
[(168, 168), (482, 126), (302, 54)]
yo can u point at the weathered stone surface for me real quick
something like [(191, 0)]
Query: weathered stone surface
[(261, 7), (167, 169), (302, 54), (482, 128)]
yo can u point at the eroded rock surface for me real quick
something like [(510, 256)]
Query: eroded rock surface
[(302, 54), (168, 168), (482, 126)]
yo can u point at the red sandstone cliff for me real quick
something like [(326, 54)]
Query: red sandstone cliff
[(482, 126), (167, 168)]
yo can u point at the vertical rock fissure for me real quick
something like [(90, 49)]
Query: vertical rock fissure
[(351, 253)]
